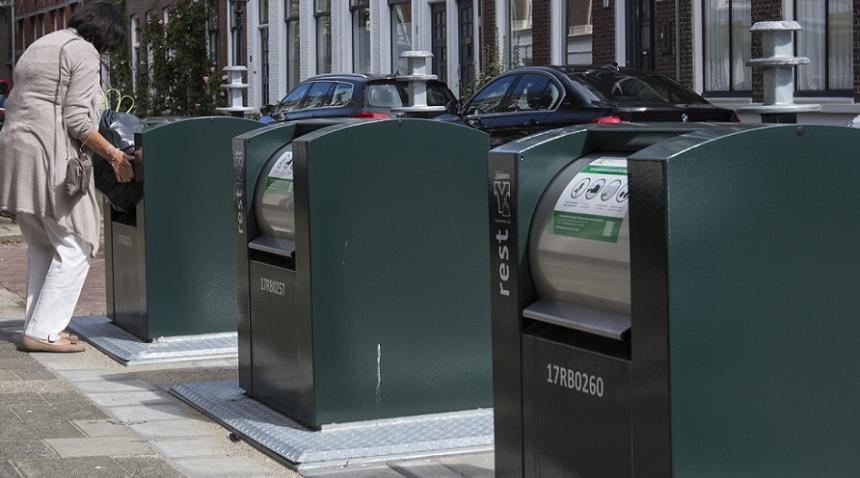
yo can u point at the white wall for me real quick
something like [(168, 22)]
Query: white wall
[(342, 62)]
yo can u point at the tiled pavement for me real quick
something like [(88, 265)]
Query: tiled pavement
[(83, 415)]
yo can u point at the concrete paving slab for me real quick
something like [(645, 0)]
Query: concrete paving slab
[(378, 471), (41, 412), (141, 413), (102, 386), (99, 446), (34, 374), (424, 469), (177, 428), (7, 470), (480, 465), (147, 467), (114, 399), (89, 467), (102, 428), (8, 375), (86, 375), (29, 446), (197, 446), (225, 467)]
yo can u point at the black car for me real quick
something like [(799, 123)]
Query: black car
[(527, 100), (351, 95)]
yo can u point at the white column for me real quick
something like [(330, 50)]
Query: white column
[(252, 39), (477, 41), (276, 52), (558, 36), (308, 40), (341, 37), (452, 43), (377, 43), (503, 27), (698, 41), (621, 32), (385, 64), (421, 25)]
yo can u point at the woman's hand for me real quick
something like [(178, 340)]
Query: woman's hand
[(121, 164)]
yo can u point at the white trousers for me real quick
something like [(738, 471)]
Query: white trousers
[(57, 266)]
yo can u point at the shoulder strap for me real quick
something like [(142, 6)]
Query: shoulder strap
[(65, 131)]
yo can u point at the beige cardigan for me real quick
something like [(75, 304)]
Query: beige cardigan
[(34, 146)]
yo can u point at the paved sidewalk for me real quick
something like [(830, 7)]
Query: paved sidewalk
[(84, 415), (9, 231)]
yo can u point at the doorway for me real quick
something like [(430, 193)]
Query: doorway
[(640, 34)]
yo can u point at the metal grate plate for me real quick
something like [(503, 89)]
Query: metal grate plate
[(129, 350), (341, 444)]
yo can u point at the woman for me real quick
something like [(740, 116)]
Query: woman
[(52, 115)]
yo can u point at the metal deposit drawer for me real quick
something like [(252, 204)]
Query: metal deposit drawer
[(577, 410)]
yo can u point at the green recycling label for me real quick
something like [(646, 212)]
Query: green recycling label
[(594, 203), (280, 180)]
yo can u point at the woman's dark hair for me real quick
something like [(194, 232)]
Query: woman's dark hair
[(101, 24)]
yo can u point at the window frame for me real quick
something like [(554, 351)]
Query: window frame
[(291, 21), (566, 34), (355, 7), (510, 31), (552, 80), (516, 80), (730, 93), (301, 106), (392, 43), (826, 92), (318, 14)]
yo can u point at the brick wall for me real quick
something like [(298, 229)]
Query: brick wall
[(542, 32), (603, 39), (762, 10)]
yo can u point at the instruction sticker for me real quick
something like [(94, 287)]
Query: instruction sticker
[(280, 178), (594, 203)]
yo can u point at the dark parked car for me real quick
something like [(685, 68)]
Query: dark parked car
[(532, 99), (351, 95), (5, 86)]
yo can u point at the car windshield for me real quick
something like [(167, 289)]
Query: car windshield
[(617, 87), (396, 94)]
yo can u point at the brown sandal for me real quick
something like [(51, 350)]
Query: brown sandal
[(61, 345)]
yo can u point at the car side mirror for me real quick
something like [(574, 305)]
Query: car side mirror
[(268, 109), (453, 107)]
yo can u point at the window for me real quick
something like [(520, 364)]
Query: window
[(341, 95), (727, 45), (533, 92), (401, 35), (521, 33), (212, 35), (236, 32), (360, 35), (490, 98), (291, 9), (317, 96), (617, 87), (826, 39), (577, 35), (322, 11), (263, 9), (265, 68), (292, 100)]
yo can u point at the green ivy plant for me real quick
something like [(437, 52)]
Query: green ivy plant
[(174, 73)]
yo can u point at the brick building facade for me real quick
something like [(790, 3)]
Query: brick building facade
[(703, 44)]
